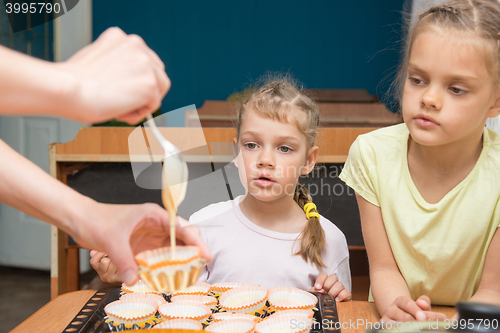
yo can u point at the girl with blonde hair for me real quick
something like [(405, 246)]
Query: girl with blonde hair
[(428, 190)]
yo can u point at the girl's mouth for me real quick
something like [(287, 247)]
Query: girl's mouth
[(264, 181), (425, 121)]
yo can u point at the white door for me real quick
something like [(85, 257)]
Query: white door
[(24, 240)]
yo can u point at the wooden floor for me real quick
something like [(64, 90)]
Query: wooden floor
[(22, 293)]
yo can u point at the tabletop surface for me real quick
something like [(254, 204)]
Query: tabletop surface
[(354, 316)]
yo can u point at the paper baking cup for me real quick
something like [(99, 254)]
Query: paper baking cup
[(199, 288), (232, 326), (160, 271), (286, 298), (209, 301), (224, 286), (184, 310), (220, 316), (180, 324), (131, 311), (142, 296), (246, 299), (140, 287), (284, 324), (294, 313)]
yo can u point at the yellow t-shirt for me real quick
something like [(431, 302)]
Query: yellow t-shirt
[(440, 248)]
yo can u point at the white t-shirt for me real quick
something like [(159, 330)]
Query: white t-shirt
[(247, 253)]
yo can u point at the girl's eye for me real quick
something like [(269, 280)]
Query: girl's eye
[(285, 149), (415, 80), (251, 145), (457, 91)]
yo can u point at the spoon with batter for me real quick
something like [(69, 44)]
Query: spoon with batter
[(174, 179)]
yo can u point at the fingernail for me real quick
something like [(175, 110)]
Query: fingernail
[(337, 299), (129, 277), (318, 286), (92, 253), (420, 316)]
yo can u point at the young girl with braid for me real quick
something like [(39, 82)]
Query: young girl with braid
[(272, 235), (428, 190)]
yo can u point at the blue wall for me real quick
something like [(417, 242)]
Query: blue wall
[(214, 48)]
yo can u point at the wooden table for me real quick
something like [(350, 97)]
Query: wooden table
[(58, 313)]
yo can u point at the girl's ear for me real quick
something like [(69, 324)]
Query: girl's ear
[(495, 108), (312, 156)]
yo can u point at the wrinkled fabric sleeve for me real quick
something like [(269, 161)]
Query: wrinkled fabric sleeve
[(343, 273), (360, 173)]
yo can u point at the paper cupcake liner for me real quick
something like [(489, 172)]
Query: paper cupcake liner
[(120, 327), (244, 299), (230, 315), (284, 324), (180, 324), (183, 310), (209, 301), (295, 313), (140, 287), (153, 259), (168, 282), (224, 286), (285, 298), (139, 297), (232, 325), (199, 288), (160, 272), (131, 311)]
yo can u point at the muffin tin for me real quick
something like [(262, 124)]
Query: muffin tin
[(91, 316)]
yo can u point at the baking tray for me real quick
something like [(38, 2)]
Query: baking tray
[(91, 316)]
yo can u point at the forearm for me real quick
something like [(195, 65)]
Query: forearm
[(484, 295), (34, 87), (386, 286), (489, 287), (28, 188)]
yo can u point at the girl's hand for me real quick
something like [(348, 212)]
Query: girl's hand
[(331, 285), (104, 267), (406, 309)]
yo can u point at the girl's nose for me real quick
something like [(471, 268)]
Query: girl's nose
[(266, 159), (432, 99)]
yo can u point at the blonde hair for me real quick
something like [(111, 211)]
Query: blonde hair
[(479, 18), (281, 99)]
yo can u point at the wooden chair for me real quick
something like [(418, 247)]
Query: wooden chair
[(94, 146)]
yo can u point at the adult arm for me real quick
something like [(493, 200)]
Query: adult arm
[(118, 230), (390, 292), (117, 76)]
